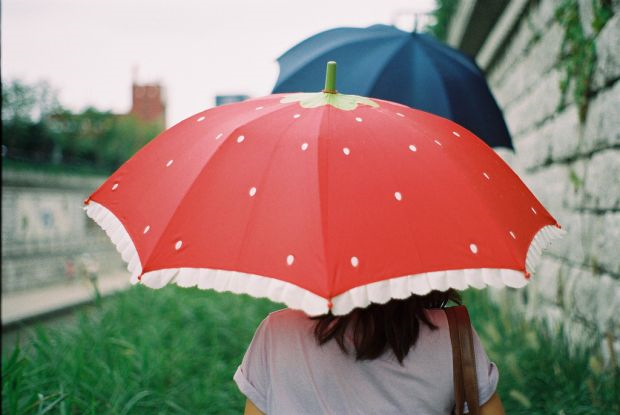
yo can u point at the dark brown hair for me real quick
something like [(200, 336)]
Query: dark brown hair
[(394, 325)]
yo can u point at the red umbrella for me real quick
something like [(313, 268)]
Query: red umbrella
[(321, 201)]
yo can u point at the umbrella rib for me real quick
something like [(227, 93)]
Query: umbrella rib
[(336, 42), (498, 226), (423, 50), (472, 70), (254, 206), (322, 56), (323, 200), (479, 202), (465, 61), (200, 172), (393, 177), (386, 63)]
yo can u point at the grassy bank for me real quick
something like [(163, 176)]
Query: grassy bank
[(174, 351), (171, 351), (537, 373)]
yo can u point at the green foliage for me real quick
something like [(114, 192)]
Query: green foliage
[(27, 102), (37, 129), (50, 168), (443, 13), (538, 375), (602, 13), (125, 138), (578, 56), (24, 108), (578, 52), (168, 351), (104, 138), (575, 180)]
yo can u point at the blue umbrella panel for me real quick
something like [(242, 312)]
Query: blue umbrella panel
[(413, 69)]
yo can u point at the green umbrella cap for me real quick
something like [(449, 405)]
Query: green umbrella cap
[(329, 96), (330, 78)]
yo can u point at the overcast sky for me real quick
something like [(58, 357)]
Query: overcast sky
[(86, 49)]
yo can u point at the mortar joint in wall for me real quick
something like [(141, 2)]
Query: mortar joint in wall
[(583, 156)]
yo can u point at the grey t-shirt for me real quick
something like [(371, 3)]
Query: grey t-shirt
[(285, 371)]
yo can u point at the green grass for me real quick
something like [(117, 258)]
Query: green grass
[(174, 351), (537, 373), (170, 351)]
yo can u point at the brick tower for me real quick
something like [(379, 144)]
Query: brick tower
[(148, 103)]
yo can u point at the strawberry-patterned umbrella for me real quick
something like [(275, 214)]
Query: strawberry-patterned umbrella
[(322, 201)]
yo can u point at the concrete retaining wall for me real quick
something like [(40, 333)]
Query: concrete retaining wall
[(46, 236), (573, 167)]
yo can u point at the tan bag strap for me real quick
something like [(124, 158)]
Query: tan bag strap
[(463, 360)]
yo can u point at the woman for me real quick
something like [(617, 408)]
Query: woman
[(393, 358)]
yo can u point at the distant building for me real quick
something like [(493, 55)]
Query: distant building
[(229, 99), (148, 103)]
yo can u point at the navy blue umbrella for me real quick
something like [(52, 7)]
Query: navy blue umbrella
[(410, 68)]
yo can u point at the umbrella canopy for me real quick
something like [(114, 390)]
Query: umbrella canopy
[(410, 68), (322, 201)]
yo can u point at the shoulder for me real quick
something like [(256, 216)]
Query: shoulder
[(286, 315), (285, 331), (437, 316), (287, 320), (278, 328), (437, 338)]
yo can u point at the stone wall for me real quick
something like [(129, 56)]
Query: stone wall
[(46, 236), (572, 164)]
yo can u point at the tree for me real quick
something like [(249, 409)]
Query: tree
[(126, 137), (28, 102), (24, 109), (37, 128)]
